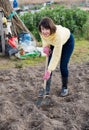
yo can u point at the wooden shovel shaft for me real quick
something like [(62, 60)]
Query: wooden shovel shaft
[(46, 64)]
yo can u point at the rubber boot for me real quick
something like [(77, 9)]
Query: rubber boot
[(41, 92), (64, 90)]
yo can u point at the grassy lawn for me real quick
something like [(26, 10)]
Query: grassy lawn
[(81, 51), (80, 54), (13, 62)]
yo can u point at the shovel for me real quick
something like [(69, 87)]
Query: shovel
[(42, 91)]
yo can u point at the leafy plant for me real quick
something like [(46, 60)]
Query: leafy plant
[(74, 19)]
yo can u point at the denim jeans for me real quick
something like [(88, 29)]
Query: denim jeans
[(67, 50)]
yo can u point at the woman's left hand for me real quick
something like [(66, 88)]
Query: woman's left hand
[(46, 50), (46, 75)]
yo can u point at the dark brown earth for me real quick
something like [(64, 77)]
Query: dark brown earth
[(18, 94)]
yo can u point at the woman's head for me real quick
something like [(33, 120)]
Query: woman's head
[(47, 24)]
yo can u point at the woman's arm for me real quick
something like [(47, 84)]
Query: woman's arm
[(55, 58)]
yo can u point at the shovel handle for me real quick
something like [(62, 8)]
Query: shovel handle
[(46, 64)]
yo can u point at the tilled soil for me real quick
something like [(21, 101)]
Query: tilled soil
[(18, 94)]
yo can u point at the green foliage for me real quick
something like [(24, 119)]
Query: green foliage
[(86, 30), (27, 18), (80, 18), (74, 19)]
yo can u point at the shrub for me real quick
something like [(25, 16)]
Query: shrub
[(74, 19)]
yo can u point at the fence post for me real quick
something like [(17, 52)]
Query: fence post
[(2, 33)]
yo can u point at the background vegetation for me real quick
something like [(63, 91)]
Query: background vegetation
[(75, 19)]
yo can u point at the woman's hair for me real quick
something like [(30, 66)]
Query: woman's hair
[(47, 23)]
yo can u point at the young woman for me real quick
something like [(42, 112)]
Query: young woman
[(58, 45)]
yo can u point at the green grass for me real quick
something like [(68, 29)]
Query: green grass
[(81, 51), (13, 62), (80, 54)]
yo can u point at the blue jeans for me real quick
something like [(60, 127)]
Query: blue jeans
[(67, 50)]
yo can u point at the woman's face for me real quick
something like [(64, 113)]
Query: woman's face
[(45, 32)]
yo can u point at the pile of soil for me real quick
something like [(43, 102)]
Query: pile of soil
[(19, 90)]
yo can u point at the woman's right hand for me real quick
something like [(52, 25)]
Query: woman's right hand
[(46, 75), (46, 50)]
